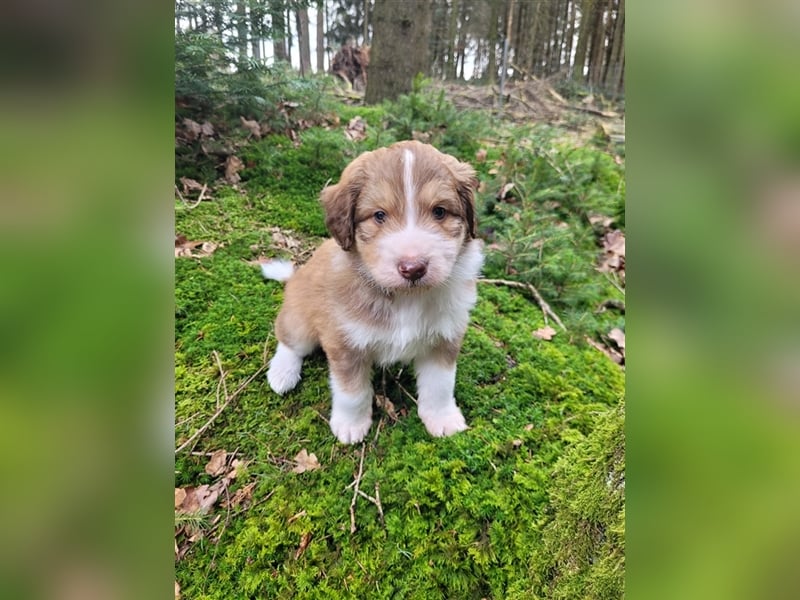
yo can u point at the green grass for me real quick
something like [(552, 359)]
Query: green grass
[(499, 511)]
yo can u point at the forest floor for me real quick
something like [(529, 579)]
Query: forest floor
[(529, 502)]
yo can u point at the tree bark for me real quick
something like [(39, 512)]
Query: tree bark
[(400, 32), (320, 36), (278, 31), (303, 41)]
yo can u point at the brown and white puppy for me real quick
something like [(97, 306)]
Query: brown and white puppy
[(395, 284)]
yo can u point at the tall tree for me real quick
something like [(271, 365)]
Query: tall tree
[(400, 47), (320, 36), (279, 50), (303, 40)]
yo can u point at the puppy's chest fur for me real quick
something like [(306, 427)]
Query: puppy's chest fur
[(398, 328)]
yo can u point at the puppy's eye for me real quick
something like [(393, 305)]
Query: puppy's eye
[(379, 216), (439, 213)]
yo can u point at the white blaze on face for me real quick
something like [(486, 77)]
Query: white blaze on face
[(408, 187)]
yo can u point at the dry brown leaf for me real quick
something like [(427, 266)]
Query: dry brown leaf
[(177, 591), (480, 155), (388, 407), (190, 185), (193, 129), (242, 495), (199, 499), (180, 496), (528, 427), (207, 129), (545, 333), (216, 465), (305, 462), (252, 127), (238, 467), (602, 220), (282, 239), (194, 249), (233, 164), (617, 336), (356, 129)]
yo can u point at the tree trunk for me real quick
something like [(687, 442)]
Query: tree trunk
[(452, 37), (584, 33), (617, 45), (278, 31), (366, 24), (570, 36), (491, 66), (241, 30), (400, 32), (320, 36), (256, 29), (303, 41)]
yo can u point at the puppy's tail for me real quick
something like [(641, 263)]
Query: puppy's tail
[(278, 270)]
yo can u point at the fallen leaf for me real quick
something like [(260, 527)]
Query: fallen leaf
[(612, 354), (177, 591), (185, 248), (199, 499), (189, 185), (238, 467), (233, 164), (305, 462), (602, 220), (480, 155), (528, 427), (252, 126), (618, 337), (356, 129), (180, 496), (242, 495), (282, 239), (517, 443), (216, 465), (193, 129), (545, 333), (388, 407)]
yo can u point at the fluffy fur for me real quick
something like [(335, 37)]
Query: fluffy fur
[(395, 284)]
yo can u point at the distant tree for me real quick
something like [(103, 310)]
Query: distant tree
[(401, 32), (303, 40)]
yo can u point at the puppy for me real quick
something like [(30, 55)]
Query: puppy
[(395, 284)]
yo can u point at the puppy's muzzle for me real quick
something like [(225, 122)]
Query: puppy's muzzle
[(412, 269)]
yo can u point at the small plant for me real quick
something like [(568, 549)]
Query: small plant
[(427, 115)]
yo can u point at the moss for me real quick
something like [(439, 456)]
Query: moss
[(502, 510)]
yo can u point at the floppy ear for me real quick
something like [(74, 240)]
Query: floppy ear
[(339, 203), (466, 184)]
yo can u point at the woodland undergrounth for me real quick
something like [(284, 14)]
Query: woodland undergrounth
[(530, 501)]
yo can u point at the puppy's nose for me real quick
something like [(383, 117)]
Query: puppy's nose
[(413, 269)]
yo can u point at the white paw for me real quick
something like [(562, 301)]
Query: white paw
[(284, 370), (348, 430), (443, 422)]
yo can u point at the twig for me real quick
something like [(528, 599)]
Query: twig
[(218, 412), (222, 376), (355, 491), (376, 500), (536, 295)]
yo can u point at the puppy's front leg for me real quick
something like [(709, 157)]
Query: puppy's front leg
[(436, 379), (351, 413)]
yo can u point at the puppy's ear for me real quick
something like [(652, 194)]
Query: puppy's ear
[(339, 204), (466, 184)]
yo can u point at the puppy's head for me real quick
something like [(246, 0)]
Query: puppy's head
[(406, 210)]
